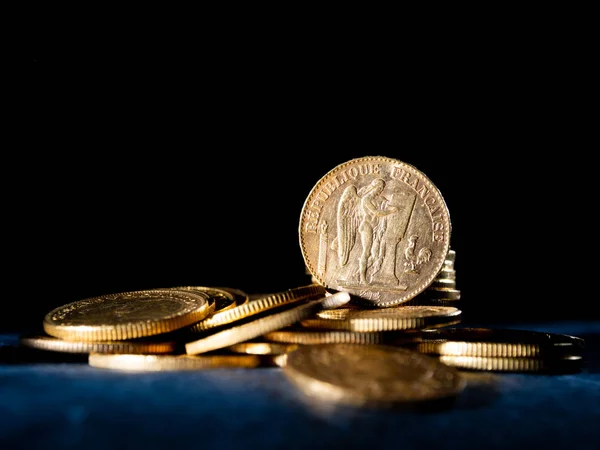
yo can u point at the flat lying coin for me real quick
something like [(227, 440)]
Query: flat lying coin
[(568, 364), (257, 306), (377, 228), (370, 375), (262, 348), (126, 315), (161, 363), (397, 318), (507, 343), (339, 337), (49, 343), (259, 327), (441, 293)]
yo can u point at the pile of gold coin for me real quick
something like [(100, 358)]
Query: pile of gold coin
[(376, 324)]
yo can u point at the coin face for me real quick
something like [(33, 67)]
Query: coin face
[(371, 374), (376, 228), (126, 315)]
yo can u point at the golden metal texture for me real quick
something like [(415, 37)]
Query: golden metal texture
[(388, 319), (49, 343), (162, 363), (259, 327), (505, 343), (365, 375), (126, 315), (259, 305), (262, 348), (568, 364), (377, 228)]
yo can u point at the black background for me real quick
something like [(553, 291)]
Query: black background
[(151, 159)]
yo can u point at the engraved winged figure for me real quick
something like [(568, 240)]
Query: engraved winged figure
[(361, 217)]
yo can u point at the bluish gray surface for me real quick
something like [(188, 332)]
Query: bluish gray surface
[(74, 406)]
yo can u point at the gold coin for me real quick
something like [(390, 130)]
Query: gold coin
[(505, 343), (257, 306), (377, 228), (339, 337), (219, 298), (442, 283), (262, 348), (441, 294), (126, 315), (422, 300), (451, 256), (446, 274), (161, 363), (567, 364), (259, 327), (371, 375), (240, 296), (397, 318), (49, 343)]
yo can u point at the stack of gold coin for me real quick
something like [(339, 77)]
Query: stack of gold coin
[(503, 350), (375, 327)]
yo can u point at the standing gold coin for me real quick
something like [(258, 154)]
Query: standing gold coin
[(163, 363), (49, 343), (398, 318), (371, 375), (377, 228), (126, 315)]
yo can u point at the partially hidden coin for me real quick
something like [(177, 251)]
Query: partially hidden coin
[(259, 327), (567, 364), (441, 293), (371, 375), (259, 305), (219, 299), (49, 343), (312, 337), (126, 315), (388, 319), (239, 295), (377, 228), (497, 342), (262, 348), (161, 363)]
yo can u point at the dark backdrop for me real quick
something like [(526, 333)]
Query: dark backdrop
[(143, 165)]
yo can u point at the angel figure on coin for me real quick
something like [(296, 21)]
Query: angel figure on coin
[(362, 213)]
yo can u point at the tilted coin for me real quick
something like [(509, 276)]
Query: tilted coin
[(377, 228), (49, 343), (219, 298), (259, 327), (309, 337), (396, 318), (507, 343), (161, 363), (257, 306), (371, 375), (126, 315), (567, 364), (240, 296), (262, 348)]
